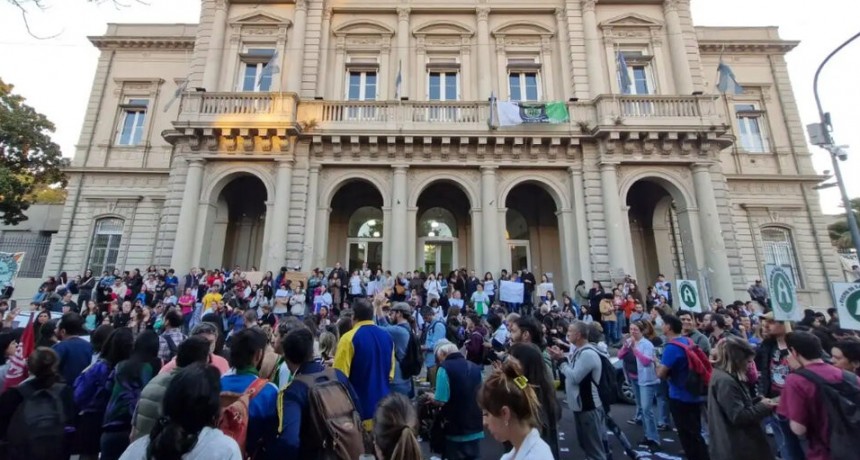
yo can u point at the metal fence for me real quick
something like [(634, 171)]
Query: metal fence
[(35, 245)]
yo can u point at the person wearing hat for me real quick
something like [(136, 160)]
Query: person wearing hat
[(396, 321)]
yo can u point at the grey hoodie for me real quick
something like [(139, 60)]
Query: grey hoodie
[(584, 364)]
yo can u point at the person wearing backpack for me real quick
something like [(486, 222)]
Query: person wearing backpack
[(168, 342), (316, 394), (434, 331), (246, 353), (821, 401), (407, 350), (685, 406), (582, 386), (37, 412)]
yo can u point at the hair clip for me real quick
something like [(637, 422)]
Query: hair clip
[(521, 382)]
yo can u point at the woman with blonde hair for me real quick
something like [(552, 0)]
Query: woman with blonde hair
[(395, 424), (511, 413), (734, 419)]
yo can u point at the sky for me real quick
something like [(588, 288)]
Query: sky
[(55, 75)]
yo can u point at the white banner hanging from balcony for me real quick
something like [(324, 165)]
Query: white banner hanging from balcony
[(517, 113)]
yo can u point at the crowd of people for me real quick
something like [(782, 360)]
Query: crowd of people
[(211, 364)]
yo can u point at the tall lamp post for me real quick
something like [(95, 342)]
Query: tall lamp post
[(820, 135)]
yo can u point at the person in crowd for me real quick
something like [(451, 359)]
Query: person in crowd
[(92, 391), (74, 348), (434, 331), (191, 408), (172, 337), (581, 372), (246, 354), (394, 429), (721, 328), (125, 384), (397, 324), (298, 301), (646, 380), (758, 293), (734, 419), (44, 367), (8, 347), (686, 408), (489, 286), (149, 407), (527, 329), (846, 355), (511, 410), (282, 376), (187, 303), (688, 322), (801, 400), (474, 339), (209, 332), (772, 363), (456, 389), (366, 355), (530, 359), (296, 439), (480, 301), (48, 333)]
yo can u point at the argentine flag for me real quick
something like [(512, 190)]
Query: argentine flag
[(727, 82)]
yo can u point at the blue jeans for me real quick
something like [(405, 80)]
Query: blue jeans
[(787, 443), (637, 396), (648, 394), (610, 330), (620, 322), (663, 404)]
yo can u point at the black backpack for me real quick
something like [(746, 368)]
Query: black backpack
[(37, 428), (842, 405), (413, 361), (171, 346), (607, 387)]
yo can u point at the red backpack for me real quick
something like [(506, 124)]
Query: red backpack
[(234, 417), (699, 375)]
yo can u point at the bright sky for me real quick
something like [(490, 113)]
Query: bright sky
[(55, 75)]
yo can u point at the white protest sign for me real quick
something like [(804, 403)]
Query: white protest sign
[(847, 297), (511, 292), (783, 295), (543, 288), (688, 294)]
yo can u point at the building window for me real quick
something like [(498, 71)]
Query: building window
[(105, 247), (779, 250), (524, 86), (751, 128), (442, 86), (254, 62), (361, 86), (437, 223), (133, 122), (638, 73)]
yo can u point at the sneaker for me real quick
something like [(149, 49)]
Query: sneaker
[(663, 427), (653, 446), (634, 421)]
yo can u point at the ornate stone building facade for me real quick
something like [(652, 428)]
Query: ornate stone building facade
[(310, 132)]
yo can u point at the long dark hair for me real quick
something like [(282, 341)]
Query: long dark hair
[(531, 360), (191, 403), (118, 346), (145, 352)]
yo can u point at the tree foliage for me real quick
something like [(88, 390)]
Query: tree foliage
[(29, 159), (840, 235)]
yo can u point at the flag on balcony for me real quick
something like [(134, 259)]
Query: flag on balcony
[(493, 121), (623, 74), (517, 113), (727, 82), (271, 68), (399, 81), (176, 94)]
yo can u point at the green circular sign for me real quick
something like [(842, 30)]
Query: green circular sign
[(782, 287), (689, 296), (852, 304)]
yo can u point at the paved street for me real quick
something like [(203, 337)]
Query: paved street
[(490, 449)]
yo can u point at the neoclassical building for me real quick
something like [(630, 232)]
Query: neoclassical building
[(309, 132)]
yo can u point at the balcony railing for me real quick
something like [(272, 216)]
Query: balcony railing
[(214, 108), (381, 114), (656, 110)]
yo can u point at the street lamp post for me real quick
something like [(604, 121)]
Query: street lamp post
[(820, 135)]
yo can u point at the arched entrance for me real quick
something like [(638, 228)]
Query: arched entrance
[(532, 232), (237, 227), (356, 226), (443, 228)]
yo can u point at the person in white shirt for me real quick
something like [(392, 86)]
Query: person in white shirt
[(480, 301), (282, 300), (355, 285), (187, 430), (432, 287), (513, 416), (323, 299)]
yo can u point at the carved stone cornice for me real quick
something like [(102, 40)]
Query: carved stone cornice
[(177, 43), (483, 13), (403, 13), (747, 46), (588, 6)]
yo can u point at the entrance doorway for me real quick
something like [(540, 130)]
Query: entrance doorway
[(363, 250), (438, 256), (356, 226), (656, 233), (532, 230), (520, 253), (443, 228), (233, 234)]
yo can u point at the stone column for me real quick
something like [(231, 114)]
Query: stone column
[(412, 238), (564, 51), (614, 219), (296, 49), (490, 214), (484, 72), (714, 248), (581, 246), (322, 85), (569, 265), (276, 254), (321, 237), (310, 249), (477, 249), (398, 251), (403, 51), (183, 247), (678, 48), (216, 47), (593, 49)]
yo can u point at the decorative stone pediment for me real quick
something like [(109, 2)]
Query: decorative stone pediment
[(522, 28), (258, 18), (364, 27), (443, 28), (631, 20)]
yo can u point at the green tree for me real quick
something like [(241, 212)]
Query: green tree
[(840, 235), (29, 160)]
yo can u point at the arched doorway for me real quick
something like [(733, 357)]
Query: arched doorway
[(443, 228), (657, 233), (532, 232), (237, 227), (356, 226)]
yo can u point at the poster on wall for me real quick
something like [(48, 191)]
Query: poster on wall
[(511, 292), (847, 296), (10, 264)]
